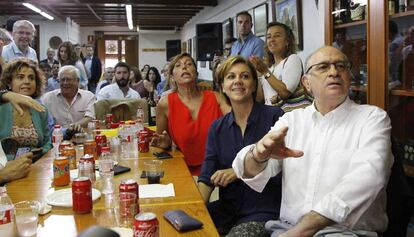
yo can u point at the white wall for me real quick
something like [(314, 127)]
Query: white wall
[(146, 39), (154, 40), (312, 23)]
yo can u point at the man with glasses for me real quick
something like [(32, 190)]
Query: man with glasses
[(335, 158), (23, 32), (70, 106)]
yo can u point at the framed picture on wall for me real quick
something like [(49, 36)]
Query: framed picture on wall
[(189, 46), (184, 47), (289, 12), (194, 43), (260, 19), (227, 29)]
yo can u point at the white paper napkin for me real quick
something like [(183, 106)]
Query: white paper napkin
[(156, 190)]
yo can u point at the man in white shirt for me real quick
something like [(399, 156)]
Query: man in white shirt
[(120, 89), (338, 179), (23, 32), (70, 106)]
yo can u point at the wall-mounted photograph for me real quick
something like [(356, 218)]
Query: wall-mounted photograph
[(289, 12), (260, 19), (227, 29)]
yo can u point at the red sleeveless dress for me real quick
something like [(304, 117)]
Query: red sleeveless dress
[(188, 134)]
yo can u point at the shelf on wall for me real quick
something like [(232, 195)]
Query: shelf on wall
[(402, 92), (350, 24), (402, 14)]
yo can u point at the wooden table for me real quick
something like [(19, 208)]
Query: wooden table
[(63, 222)]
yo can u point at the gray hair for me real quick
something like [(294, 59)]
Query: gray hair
[(69, 68), (20, 23), (5, 35)]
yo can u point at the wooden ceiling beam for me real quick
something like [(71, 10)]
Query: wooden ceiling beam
[(202, 3)]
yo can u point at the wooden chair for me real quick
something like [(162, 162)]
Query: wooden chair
[(122, 109)]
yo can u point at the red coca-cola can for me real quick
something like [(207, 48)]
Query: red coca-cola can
[(143, 141), (100, 140), (82, 195), (146, 225), (131, 186), (87, 158)]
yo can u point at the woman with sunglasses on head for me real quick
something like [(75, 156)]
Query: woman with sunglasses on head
[(281, 68), (184, 116)]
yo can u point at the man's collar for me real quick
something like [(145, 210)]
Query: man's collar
[(248, 37), (16, 49), (338, 112)]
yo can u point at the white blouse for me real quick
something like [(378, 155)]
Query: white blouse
[(289, 73)]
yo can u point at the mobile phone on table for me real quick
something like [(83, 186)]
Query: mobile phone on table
[(162, 155)]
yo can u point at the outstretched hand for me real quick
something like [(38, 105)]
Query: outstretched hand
[(162, 140), (18, 100), (273, 145)]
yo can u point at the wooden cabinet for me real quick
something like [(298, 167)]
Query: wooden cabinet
[(386, 61)]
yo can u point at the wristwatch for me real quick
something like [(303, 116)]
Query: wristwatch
[(2, 92), (267, 75)]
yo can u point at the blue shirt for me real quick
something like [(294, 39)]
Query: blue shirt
[(253, 45), (224, 141), (52, 84), (11, 52)]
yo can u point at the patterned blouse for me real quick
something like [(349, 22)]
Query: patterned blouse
[(27, 136)]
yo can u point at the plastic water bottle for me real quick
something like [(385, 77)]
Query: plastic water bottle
[(106, 171), (57, 138), (6, 214)]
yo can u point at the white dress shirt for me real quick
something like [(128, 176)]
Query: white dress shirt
[(344, 171), (114, 92), (288, 71), (64, 113)]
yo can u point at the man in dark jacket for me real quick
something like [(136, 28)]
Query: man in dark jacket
[(93, 68)]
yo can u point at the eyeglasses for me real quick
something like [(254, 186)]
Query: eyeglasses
[(26, 33), (67, 79), (323, 67)]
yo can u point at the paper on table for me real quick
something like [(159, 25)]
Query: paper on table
[(156, 190)]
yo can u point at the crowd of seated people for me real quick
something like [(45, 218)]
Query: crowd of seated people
[(273, 170)]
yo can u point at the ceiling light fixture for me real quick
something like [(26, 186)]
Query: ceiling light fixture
[(137, 28), (128, 8), (37, 10)]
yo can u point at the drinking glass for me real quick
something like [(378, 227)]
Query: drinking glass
[(27, 216), (153, 170)]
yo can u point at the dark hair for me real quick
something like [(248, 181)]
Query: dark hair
[(175, 59), (291, 48), (225, 67), (393, 27), (146, 65), (244, 13), (14, 66), (137, 74), (157, 76), (44, 65), (122, 64), (10, 22), (70, 50)]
